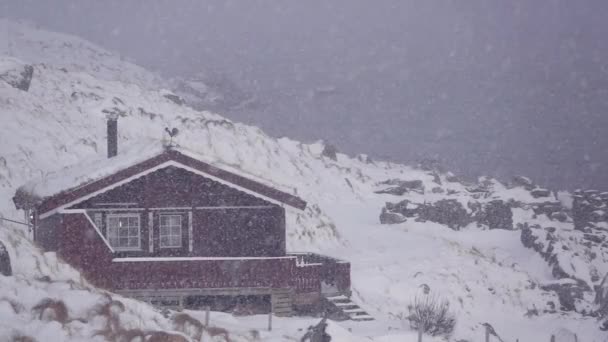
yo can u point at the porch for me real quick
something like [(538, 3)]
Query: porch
[(297, 281)]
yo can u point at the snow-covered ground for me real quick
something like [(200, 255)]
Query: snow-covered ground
[(487, 275)]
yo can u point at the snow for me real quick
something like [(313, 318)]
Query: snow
[(136, 259), (487, 275), (98, 167)]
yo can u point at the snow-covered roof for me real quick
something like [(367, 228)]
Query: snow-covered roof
[(98, 167)]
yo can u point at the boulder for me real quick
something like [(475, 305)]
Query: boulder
[(540, 192), (18, 76), (5, 261), (559, 216), (330, 151), (524, 182), (387, 217), (174, 98)]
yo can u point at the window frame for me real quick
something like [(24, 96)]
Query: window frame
[(181, 230), (109, 227)]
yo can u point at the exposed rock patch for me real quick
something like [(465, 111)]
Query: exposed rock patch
[(400, 187), (18, 76), (5, 261)]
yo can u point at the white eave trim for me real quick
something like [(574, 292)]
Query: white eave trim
[(155, 168), (154, 259)]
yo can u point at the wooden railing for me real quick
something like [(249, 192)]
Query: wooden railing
[(320, 273)]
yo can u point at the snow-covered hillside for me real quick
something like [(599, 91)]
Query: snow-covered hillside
[(487, 274)]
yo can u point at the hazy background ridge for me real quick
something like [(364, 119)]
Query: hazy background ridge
[(488, 88)]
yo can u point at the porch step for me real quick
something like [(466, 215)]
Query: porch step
[(348, 308)]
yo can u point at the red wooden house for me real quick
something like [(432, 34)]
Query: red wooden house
[(162, 225)]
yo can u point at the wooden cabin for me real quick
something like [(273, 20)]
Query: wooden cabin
[(166, 227)]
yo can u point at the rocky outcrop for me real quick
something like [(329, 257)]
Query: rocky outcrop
[(576, 258), (601, 298), (495, 214), (448, 212), (568, 293), (174, 98), (18, 76), (590, 209), (330, 151), (524, 182), (400, 187)]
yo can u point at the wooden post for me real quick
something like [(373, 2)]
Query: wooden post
[(552, 338), (575, 338), (270, 321), (207, 316), (420, 331)]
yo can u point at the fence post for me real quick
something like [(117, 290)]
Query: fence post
[(270, 320), (487, 333), (552, 338), (207, 316)]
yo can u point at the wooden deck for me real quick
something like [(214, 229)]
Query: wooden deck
[(297, 281)]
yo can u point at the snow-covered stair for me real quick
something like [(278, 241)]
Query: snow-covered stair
[(348, 308)]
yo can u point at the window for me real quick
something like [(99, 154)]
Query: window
[(123, 231), (98, 219), (170, 231)]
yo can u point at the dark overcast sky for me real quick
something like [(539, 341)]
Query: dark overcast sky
[(488, 87)]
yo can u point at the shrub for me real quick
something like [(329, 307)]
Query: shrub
[(51, 310), (432, 316), (188, 325)]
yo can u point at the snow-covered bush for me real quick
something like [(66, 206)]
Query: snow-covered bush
[(431, 315)]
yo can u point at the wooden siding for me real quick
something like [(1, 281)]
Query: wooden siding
[(70, 195), (265, 273), (82, 247), (232, 223), (174, 187)]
